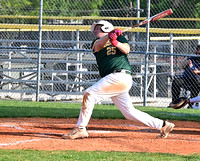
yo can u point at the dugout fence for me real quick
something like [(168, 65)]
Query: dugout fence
[(67, 66)]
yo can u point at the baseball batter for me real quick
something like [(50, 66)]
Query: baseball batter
[(111, 49)]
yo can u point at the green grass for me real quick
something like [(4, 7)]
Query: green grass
[(35, 155), (69, 110), (13, 109)]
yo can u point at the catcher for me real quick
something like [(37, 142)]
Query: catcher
[(183, 101), (111, 49), (190, 79)]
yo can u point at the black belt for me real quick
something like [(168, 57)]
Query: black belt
[(122, 71)]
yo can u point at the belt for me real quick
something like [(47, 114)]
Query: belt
[(122, 71)]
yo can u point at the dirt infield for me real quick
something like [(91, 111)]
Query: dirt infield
[(105, 135)]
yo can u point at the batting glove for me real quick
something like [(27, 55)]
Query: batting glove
[(112, 35), (113, 38), (118, 32)]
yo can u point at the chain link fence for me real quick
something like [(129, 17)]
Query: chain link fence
[(68, 66)]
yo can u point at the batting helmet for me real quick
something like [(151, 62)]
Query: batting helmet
[(106, 26)]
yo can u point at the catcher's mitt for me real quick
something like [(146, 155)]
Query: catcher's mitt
[(179, 103)]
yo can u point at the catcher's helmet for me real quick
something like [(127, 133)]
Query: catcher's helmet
[(106, 26)]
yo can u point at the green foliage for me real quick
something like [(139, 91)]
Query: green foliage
[(34, 8), (71, 7), (197, 14), (181, 9), (115, 9), (110, 8), (14, 7)]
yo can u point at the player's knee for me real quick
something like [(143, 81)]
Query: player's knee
[(86, 95), (85, 100)]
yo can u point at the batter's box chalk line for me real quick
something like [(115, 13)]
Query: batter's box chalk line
[(19, 142), (13, 126)]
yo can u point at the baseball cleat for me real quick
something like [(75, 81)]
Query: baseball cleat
[(76, 133), (166, 129)]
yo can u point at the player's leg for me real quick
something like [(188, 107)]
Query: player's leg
[(195, 99), (109, 86), (193, 87), (177, 83), (124, 103), (89, 100), (194, 90)]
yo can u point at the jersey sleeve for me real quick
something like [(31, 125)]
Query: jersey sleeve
[(122, 39), (92, 45)]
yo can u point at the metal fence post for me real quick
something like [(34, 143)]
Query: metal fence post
[(146, 55), (39, 51), (171, 58), (138, 16)]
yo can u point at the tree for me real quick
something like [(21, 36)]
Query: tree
[(71, 7), (14, 7), (181, 9)]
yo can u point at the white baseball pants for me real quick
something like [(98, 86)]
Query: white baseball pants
[(115, 86)]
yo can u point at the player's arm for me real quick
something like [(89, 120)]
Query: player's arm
[(193, 68), (100, 43), (123, 47), (196, 71)]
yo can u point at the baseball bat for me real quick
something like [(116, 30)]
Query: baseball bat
[(151, 19)]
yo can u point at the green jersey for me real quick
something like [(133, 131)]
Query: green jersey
[(110, 58)]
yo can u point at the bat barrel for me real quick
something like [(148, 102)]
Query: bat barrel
[(151, 19), (161, 15)]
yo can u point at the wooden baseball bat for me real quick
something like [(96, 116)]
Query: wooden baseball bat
[(151, 19)]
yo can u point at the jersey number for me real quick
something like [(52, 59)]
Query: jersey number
[(111, 50)]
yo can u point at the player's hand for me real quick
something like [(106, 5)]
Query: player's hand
[(113, 38), (118, 32), (112, 35)]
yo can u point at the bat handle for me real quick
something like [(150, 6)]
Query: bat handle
[(129, 28)]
